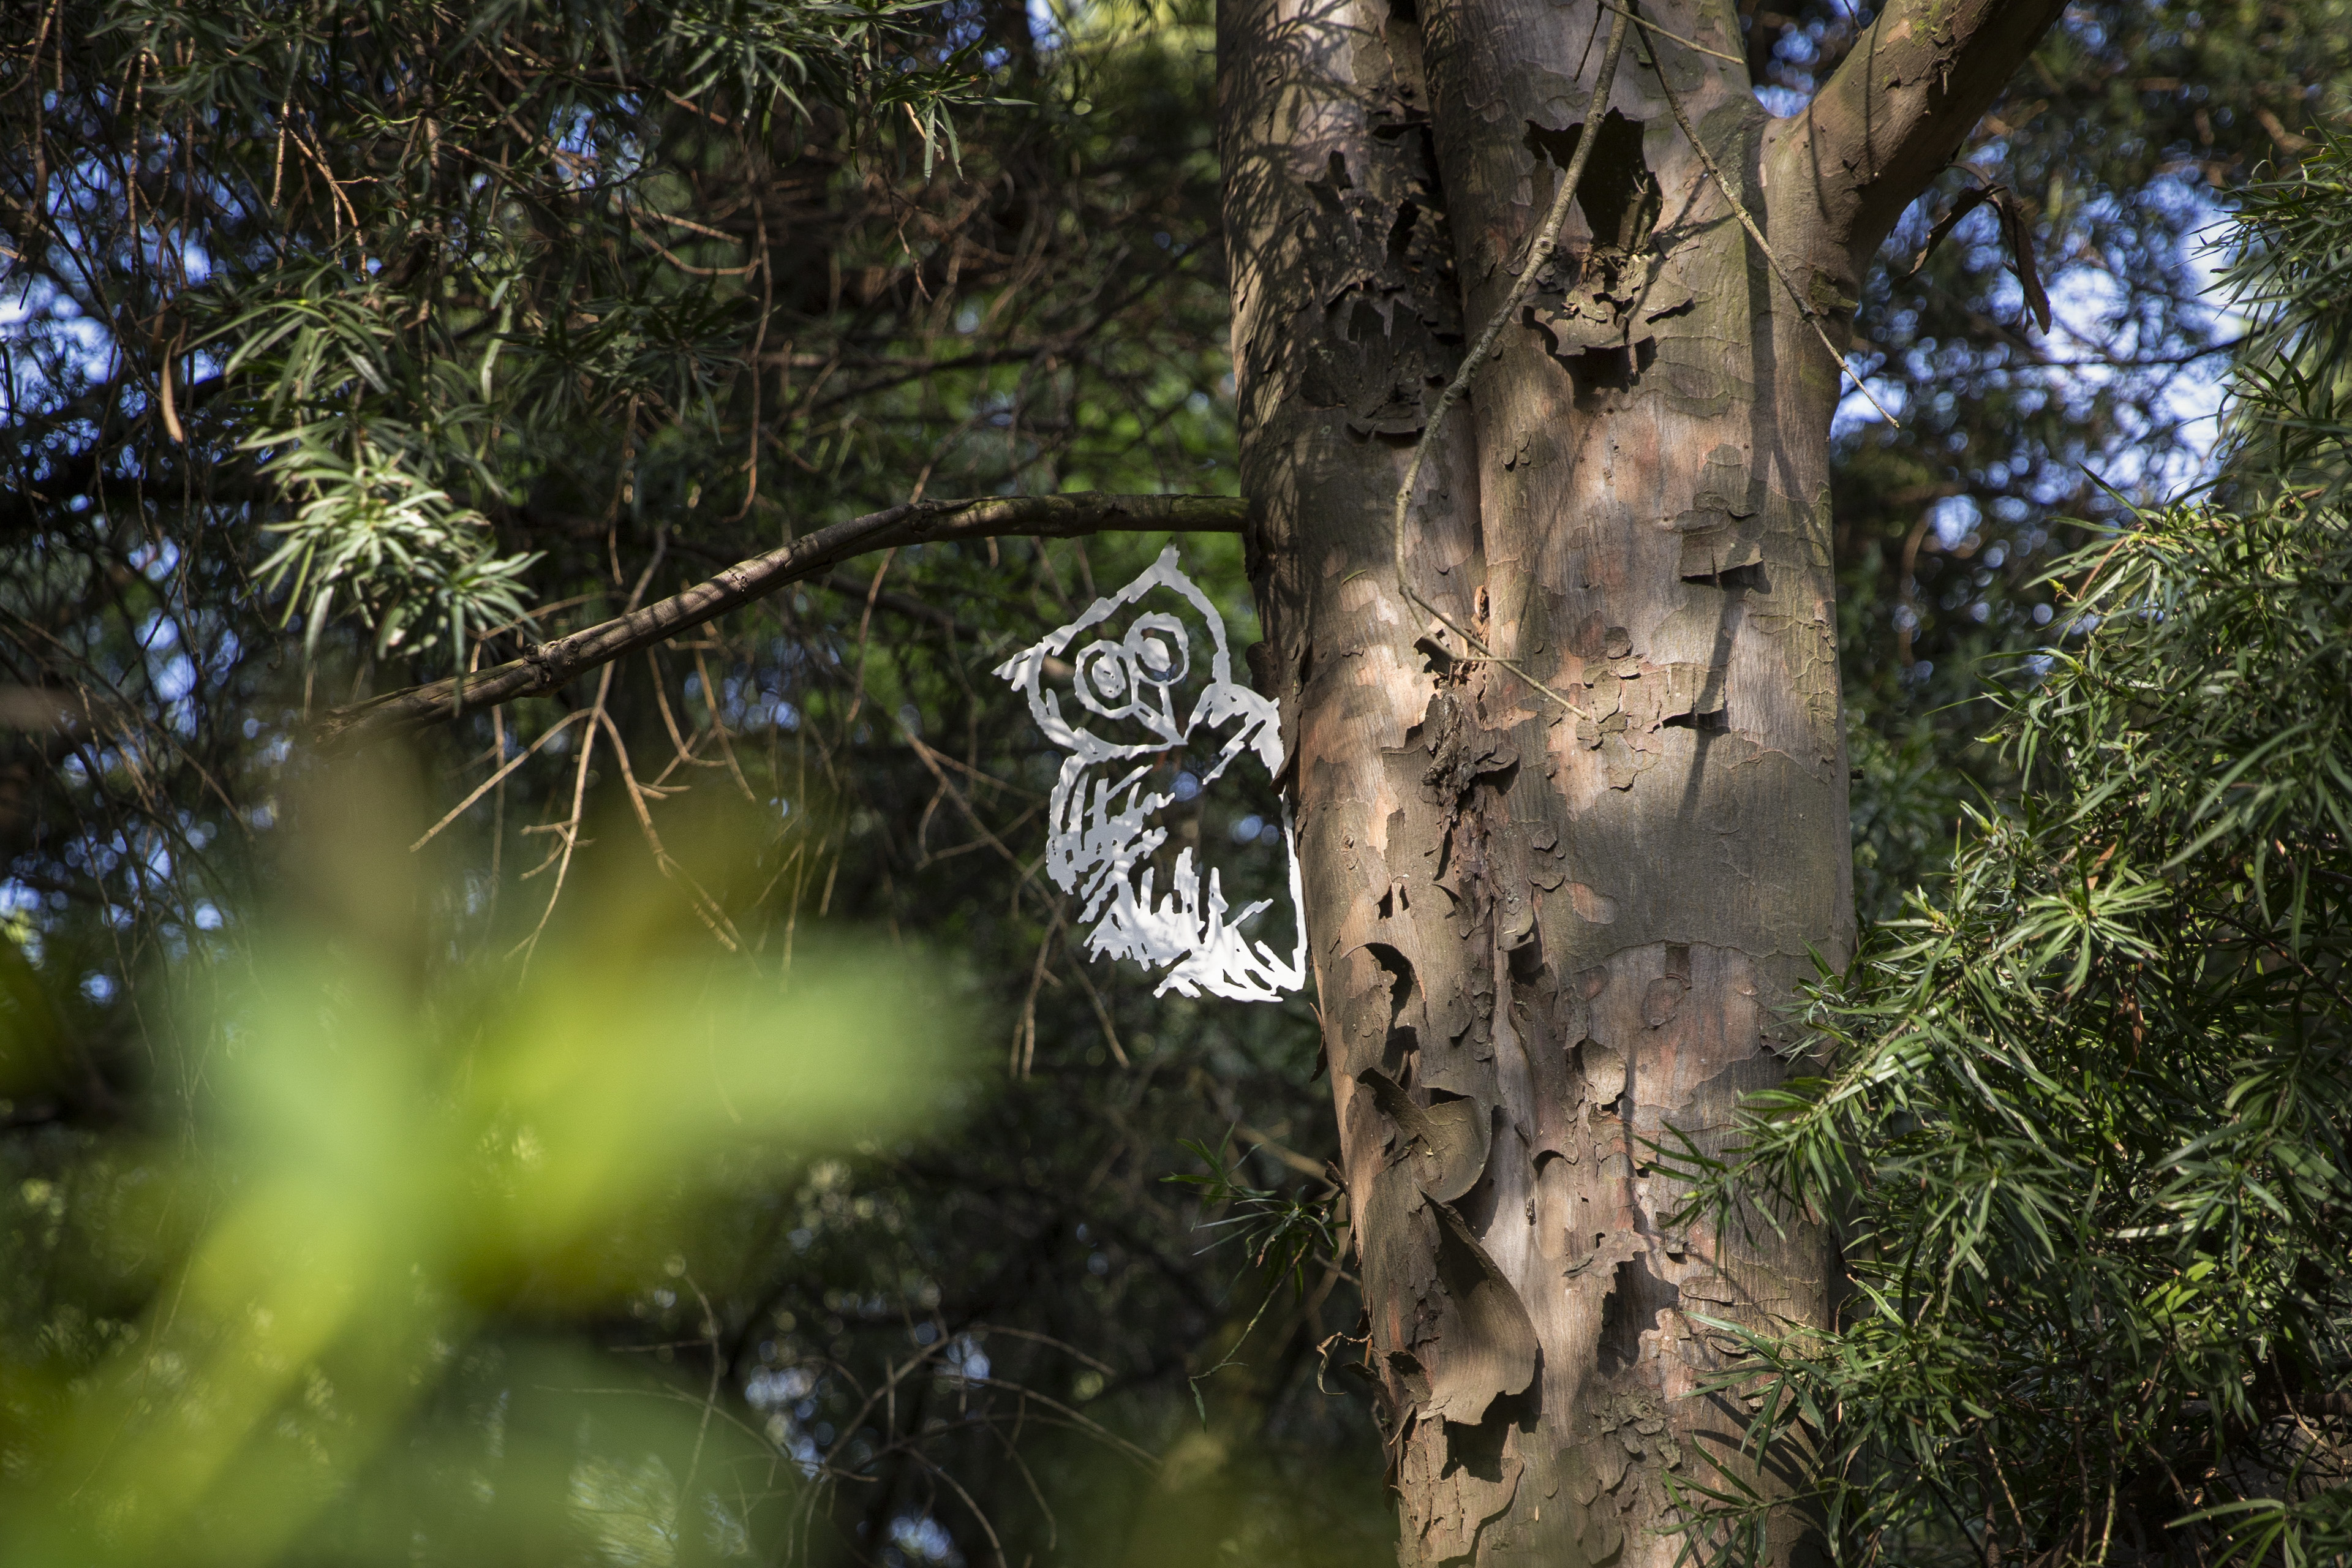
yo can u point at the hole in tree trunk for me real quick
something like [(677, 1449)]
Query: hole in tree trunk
[(1748, 578), (1618, 194), (1596, 371), (1713, 723), (1400, 231)]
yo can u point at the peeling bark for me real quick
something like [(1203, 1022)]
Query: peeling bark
[(1544, 938)]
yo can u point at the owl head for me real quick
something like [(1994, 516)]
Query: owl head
[(1150, 663)]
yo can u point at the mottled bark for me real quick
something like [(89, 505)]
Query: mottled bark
[(1544, 937)]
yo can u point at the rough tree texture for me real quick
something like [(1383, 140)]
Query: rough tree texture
[(1542, 936)]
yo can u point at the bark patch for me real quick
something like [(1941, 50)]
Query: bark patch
[(1446, 1145), (1454, 1489), (1491, 1354)]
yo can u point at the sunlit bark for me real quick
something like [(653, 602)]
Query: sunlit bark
[(1549, 934)]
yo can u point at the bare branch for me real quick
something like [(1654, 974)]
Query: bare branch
[(552, 664), (1903, 102)]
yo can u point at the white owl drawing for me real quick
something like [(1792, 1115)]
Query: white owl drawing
[(1105, 822)]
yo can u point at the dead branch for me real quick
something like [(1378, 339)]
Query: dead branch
[(552, 664)]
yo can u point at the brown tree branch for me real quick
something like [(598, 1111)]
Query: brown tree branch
[(1901, 105), (552, 664)]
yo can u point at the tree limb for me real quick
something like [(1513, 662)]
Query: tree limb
[(552, 664), (1903, 102)]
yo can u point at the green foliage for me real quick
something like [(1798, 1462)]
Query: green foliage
[(390, 1163), (1289, 1238), (1279, 1230), (502, 256), (941, 1347), (2081, 1116), (2128, 138), (2297, 361), (410, 556)]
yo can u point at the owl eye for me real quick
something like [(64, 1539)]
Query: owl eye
[(1106, 682), (1160, 649)]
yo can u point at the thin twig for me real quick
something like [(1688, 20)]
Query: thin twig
[(1102, 1014), (709, 1404), (567, 831), (865, 632), (497, 778), (976, 1513), (706, 909), (1772, 257), (1686, 42), (685, 753)]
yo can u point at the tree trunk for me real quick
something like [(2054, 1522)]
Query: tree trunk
[(1548, 936)]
